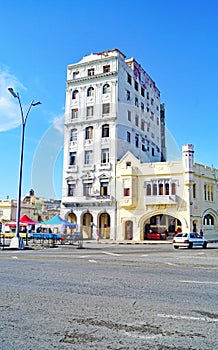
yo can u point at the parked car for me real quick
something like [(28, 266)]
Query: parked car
[(189, 240)]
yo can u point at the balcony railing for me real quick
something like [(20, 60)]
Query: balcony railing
[(161, 199)]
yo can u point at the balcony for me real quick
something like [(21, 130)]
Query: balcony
[(104, 166), (161, 200)]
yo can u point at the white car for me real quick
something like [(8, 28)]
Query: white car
[(189, 240)]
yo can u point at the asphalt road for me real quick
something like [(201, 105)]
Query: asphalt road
[(109, 296)]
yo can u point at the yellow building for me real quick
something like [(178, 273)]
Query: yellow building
[(165, 197)]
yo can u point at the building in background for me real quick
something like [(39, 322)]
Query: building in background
[(38, 209), (112, 106), (166, 197)]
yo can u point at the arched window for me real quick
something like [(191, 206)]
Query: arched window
[(89, 132), (90, 91), (160, 189), (173, 188), (105, 130), (106, 88), (208, 220), (154, 189), (74, 94), (167, 189), (73, 135), (148, 190)]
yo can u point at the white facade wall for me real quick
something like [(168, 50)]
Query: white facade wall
[(89, 73)]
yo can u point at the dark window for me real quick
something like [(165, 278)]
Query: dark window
[(74, 94), (126, 192), (104, 188), (106, 108), (129, 79), (72, 158), (90, 91), (128, 137), (106, 89), (136, 86), (142, 92), (105, 130), (71, 189), (106, 69), (91, 72)]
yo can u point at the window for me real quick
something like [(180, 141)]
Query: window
[(137, 120), (143, 125), (129, 116), (128, 95), (142, 92), (173, 189), (90, 111), (105, 156), (137, 140), (152, 116), (89, 133), (143, 147), (75, 94), (160, 189), (152, 151), (72, 158), (106, 69), (91, 72), (75, 75), (106, 108), (74, 113), (136, 102), (136, 86), (152, 101), (154, 189), (71, 190), (104, 188), (128, 137), (73, 135), (87, 189), (194, 190), (148, 190), (88, 157), (147, 95), (167, 189), (90, 91), (142, 106), (106, 89), (105, 130), (129, 79), (126, 192)]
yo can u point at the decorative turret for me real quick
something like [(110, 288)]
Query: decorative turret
[(188, 161)]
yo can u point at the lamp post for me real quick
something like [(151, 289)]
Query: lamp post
[(17, 241)]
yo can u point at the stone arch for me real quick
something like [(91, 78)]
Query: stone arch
[(104, 223), (86, 224), (144, 222)]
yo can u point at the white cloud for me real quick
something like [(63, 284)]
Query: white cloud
[(9, 108)]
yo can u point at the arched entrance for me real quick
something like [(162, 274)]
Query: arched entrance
[(104, 225), (162, 223), (71, 217), (87, 225)]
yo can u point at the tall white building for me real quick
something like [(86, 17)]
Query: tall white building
[(112, 106)]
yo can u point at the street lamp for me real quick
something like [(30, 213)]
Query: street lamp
[(17, 241)]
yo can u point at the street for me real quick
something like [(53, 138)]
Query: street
[(109, 296)]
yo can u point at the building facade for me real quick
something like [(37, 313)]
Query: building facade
[(38, 209), (112, 106), (166, 197)]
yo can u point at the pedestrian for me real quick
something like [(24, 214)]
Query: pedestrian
[(98, 236), (201, 233)]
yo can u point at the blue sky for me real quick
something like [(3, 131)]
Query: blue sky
[(174, 41)]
